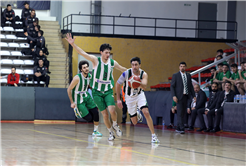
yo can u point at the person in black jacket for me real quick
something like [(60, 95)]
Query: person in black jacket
[(43, 57), (200, 102), (213, 95), (225, 96), (9, 14), (30, 19), (182, 89), (26, 12), (40, 73)]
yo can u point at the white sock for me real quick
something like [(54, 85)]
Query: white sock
[(110, 129), (95, 127), (114, 123), (153, 135)]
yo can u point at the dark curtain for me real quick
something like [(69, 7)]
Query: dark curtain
[(37, 5)]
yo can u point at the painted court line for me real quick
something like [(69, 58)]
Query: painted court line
[(133, 151)]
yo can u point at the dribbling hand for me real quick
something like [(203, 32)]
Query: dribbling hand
[(69, 38), (119, 104), (73, 105)]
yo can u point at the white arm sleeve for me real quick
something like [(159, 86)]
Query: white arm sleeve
[(122, 78)]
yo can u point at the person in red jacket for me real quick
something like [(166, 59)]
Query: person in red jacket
[(13, 78)]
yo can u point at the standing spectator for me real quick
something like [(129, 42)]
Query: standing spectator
[(13, 78), (30, 19), (9, 14), (26, 12), (213, 95), (194, 106), (182, 90), (40, 73), (225, 96)]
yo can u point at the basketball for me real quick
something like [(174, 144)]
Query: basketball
[(134, 82)]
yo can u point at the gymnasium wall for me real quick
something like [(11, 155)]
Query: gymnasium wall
[(160, 58)]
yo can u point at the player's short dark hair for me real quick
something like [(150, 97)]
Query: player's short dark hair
[(33, 10), (136, 59), (234, 65), (13, 67), (215, 84), (26, 3), (41, 32), (212, 68), (242, 63), (226, 65), (81, 63), (219, 56), (220, 64), (182, 63), (105, 46), (220, 51), (8, 5), (228, 82)]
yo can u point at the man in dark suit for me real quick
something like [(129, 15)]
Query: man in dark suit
[(213, 96), (200, 102), (182, 90), (225, 96)]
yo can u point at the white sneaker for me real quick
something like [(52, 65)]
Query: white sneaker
[(111, 136), (117, 130), (139, 116), (155, 139)]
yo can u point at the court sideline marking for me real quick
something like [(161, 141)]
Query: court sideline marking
[(133, 151)]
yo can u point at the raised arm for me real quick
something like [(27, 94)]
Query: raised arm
[(119, 67), (144, 81), (89, 57), (74, 82)]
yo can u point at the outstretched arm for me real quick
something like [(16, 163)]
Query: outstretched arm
[(69, 90), (89, 57), (119, 67), (144, 81)]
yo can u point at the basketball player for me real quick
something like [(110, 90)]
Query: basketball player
[(102, 83), (81, 101), (135, 98)]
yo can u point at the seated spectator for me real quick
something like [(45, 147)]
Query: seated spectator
[(219, 57), (40, 73), (242, 66), (30, 19), (242, 87), (13, 78), (235, 77), (26, 12), (9, 14), (194, 106), (213, 96), (225, 96), (43, 57), (40, 41), (217, 75), (208, 85), (225, 73), (172, 112)]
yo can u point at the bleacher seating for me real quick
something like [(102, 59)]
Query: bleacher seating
[(11, 55)]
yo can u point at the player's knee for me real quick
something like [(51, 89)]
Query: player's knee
[(145, 112), (105, 114)]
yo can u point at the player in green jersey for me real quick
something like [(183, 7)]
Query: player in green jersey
[(102, 83), (81, 101)]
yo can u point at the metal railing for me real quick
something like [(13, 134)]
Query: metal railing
[(211, 65), (178, 25)]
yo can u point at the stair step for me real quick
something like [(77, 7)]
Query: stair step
[(57, 86), (58, 63), (58, 76), (56, 48), (58, 81), (56, 51), (47, 30), (57, 43), (49, 23), (44, 26), (57, 55), (52, 39), (61, 68), (47, 35)]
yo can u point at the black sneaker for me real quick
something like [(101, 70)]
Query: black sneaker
[(170, 126), (208, 130), (214, 130), (191, 128), (200, 130)]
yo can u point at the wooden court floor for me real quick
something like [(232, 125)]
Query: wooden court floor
[(72, 144)]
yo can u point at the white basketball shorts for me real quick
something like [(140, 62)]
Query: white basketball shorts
[(135, 102)]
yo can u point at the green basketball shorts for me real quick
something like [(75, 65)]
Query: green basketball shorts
[(103, 99)]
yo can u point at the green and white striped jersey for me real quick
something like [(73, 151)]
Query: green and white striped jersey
[(80, 90), (102, 76)]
